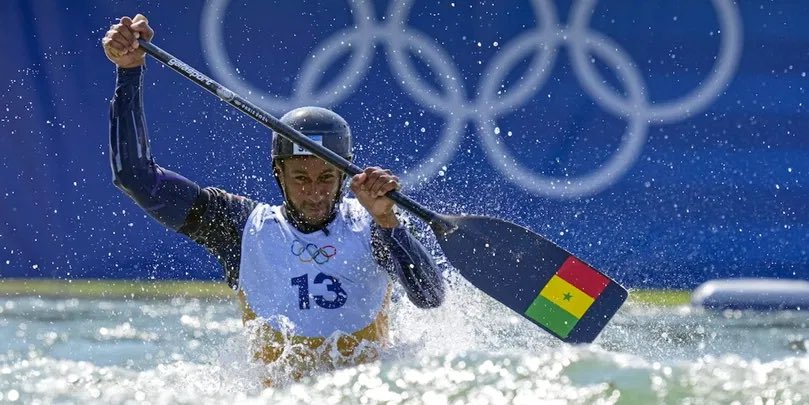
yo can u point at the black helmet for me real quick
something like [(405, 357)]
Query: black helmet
[(319, 124)]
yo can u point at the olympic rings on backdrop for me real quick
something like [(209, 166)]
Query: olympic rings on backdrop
[(309, 252), (491, 103)]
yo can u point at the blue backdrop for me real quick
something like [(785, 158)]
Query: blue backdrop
[(664, 142)]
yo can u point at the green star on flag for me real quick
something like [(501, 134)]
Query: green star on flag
[(567, 296)]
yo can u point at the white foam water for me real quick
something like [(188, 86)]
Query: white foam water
[(471, 350)]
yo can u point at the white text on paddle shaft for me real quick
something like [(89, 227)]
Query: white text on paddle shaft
[(191, 71)]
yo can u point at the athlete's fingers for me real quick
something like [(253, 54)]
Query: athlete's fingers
[(381, 183), (109, 34), (361, 178), (380, 186), (111, 48), (122, 44), (386, 182), (139, 30), (141, 25), (117, 41), (391, 185), (368, 177), (357, 181), (108, 41), (123, 28), (111, 51), (375, 180), (126, 35)]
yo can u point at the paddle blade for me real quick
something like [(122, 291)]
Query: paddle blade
[(532, 276)]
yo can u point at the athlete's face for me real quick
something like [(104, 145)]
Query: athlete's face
[(311, 185)]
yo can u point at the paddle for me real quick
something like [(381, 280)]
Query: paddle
[(522, 270)]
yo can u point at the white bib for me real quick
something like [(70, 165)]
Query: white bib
[(322, 283)]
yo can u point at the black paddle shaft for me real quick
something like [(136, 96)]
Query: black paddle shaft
[(437, 222)]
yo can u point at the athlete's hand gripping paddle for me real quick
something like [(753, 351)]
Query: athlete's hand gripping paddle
[(524, 271)]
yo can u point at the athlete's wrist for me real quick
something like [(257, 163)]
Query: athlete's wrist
[(129, 74), (387, 220)]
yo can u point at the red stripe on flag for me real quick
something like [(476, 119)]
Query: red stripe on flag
[(582, 276)]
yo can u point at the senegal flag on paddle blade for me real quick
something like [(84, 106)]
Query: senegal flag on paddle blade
[(567, 296)]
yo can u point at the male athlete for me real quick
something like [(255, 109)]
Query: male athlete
[(322, 261)]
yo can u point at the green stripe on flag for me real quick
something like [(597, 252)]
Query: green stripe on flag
[(551, 316)]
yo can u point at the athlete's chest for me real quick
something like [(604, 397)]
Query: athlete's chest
[(343, 250), (321, 281)]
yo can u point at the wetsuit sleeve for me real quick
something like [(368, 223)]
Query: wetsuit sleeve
[(208, 216), (164, 195), (406, 259), (216, 221)]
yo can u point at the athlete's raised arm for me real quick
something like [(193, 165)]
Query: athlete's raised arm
[(163, 194), (209, 216)]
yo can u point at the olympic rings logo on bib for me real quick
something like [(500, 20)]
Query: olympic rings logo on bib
[(309, 252), (583, 43)]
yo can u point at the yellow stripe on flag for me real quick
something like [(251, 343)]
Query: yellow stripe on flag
[(566, 296)]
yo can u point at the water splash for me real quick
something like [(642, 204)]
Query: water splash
[(469, 350)]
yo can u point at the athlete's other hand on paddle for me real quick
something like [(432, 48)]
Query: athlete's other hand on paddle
[(370, 187), (121, 41)]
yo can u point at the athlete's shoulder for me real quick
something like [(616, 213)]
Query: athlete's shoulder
[(264, 213), (221, 198), (216, 210)]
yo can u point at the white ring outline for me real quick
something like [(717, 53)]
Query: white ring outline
[(487, 106), (214, 50), (571, 187), (673, 110)]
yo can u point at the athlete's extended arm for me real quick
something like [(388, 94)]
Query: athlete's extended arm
[(393, 245)]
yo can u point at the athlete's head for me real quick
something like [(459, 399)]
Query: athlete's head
[(311, 187)]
